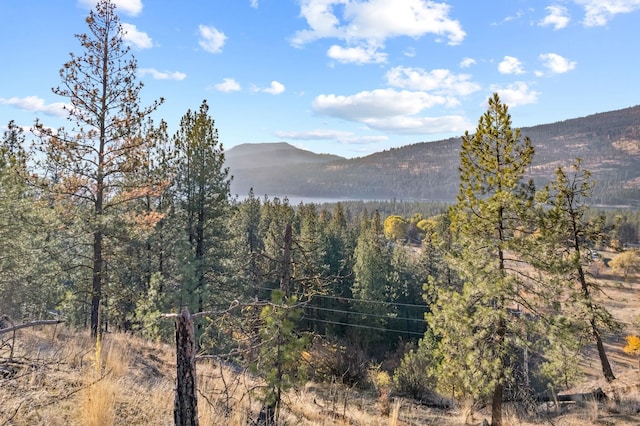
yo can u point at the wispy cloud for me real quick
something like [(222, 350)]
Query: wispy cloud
[(390, 110), (467, 62), (337, 135), (253, 3), (558, 17), (357, 55), (136, 38), (600, 12), (128, 7), (162, 75), (227, 85), (211, 39), (510, 65), (36, 104)]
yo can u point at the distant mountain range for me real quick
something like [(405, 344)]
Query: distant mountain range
[(608, 144)]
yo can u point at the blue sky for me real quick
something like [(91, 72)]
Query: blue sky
[(348, 77)]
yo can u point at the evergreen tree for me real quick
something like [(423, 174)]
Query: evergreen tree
[(202, 207), (372, 269), (567, 239), (93, 159), (29, 287), (477, 325), (246, 247)]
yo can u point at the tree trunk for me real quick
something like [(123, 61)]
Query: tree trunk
[(96, 293), (185, 411), (604, 360), (285, 281), (498, 392)]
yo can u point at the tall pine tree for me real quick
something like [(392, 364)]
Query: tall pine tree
[(202, 207), (94, 157), (477, 325)]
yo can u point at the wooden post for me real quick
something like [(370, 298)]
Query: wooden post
[(185, 411)]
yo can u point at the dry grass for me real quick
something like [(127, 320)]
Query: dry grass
[(56, 380), (57, 377)]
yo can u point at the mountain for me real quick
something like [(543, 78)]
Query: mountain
[(608, 144)]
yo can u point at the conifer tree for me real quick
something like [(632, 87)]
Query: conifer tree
[(94, 157), (201, 186), (477, 324), (568, 238), (372, 271)]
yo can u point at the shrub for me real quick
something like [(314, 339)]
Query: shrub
[(413, 377), (329, 360)]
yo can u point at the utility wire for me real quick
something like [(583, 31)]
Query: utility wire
[(368, 327), (365, 313), (411, 305), (324, 296)]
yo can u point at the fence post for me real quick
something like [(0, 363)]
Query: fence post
[(185, 410)]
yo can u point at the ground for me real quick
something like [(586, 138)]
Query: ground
[(57, 376)]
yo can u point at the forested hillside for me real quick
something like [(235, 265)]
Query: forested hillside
[(494, 299), (608, 144)]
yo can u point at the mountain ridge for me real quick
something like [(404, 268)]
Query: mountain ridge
[(608, 144)]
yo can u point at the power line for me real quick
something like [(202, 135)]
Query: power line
[(368, 327), (365, 313), (325, 296), (411, 305)]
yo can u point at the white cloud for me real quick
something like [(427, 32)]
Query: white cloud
[(128, 7), (211, 39), (363, 24), (409, 52), (358, 55), (440, 81), (420, 125), (162, 75), (276, 88), (510, 65), (227, 85), (516, 94), (556, 63), (391, 111), (254, 4), (136, 38), (467, 62), (377, 103), (558, 17), (337, 135), (599, 12), (36, 104)]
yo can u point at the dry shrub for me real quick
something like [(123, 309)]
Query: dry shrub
[(329, 361)]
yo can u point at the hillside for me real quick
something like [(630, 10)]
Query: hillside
[(50, 376), (608, 143)]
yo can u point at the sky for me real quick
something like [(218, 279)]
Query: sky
[(346, 77)]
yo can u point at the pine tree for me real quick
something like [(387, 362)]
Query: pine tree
[(27, 286), (477, 324), (372, 270), (201, 186), (246, 244), (567, 237), (93, 159)]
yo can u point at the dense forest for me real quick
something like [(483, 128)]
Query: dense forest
[(114, 222)]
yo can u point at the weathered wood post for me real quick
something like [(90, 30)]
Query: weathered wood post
[(185, 410)]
